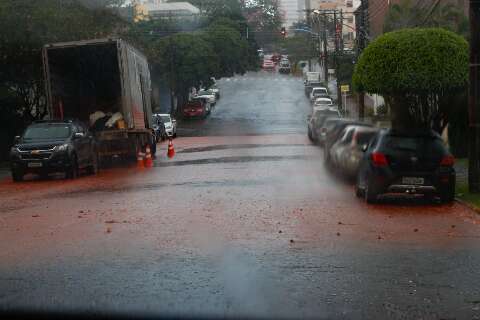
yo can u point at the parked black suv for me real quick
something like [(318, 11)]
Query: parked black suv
[(54, 146), (410, 163)]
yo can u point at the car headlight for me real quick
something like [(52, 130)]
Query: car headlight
[(14, 150), (62, 148)]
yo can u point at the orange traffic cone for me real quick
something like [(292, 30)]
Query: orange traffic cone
[(140, 162), (171, 150), (148, 158)]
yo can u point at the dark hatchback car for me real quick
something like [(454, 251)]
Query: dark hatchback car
[(408, 163), (54, 146)]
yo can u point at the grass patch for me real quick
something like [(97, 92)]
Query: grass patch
[(464, 195), (461, 191)]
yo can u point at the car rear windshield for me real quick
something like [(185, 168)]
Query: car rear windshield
[(319, 91), (415, 144), (47, 132), (165, 118)]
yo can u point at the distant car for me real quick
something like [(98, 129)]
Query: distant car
[(169, 123), (317, 119), (284, 67), (196, 108), (347, 151), (330, 133), (159, 128), (209, 94), (318, 91), (268, 65), (309, 85), (323, 102), (415, 162), (205, 101), (54, 146), (215, 90), (276, 58)]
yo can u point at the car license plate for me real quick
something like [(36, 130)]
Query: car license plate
[(413, 180), (35, 164)]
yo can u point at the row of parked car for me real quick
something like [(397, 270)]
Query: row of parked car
[(202, 102), (383, 161), (200, 105)]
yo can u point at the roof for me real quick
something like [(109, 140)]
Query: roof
[(171, 7)]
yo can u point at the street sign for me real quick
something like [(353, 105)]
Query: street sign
[(345, 88)]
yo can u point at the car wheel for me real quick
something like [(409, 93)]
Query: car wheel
[(93, 168), (448, 195), (72, 172), (371, 194), (175, 135), (17, 176)]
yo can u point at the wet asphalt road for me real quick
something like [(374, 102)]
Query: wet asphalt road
[(244, 221)]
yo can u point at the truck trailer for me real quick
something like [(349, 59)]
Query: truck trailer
[(103, 76)]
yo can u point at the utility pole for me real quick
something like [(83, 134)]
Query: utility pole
[(310, 26), (362, 32), (325, 48), (335, 59), (474, 99)]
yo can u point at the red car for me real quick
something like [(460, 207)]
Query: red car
[(268, 65), (195, 109)]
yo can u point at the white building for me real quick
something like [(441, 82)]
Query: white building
[(292, 11), (157, 9)]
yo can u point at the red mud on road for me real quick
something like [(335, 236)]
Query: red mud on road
[(286, 203)]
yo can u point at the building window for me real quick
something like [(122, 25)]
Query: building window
[(350, 19), (349, 3)]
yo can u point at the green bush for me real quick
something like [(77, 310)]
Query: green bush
[(413, 61), (419, 72)]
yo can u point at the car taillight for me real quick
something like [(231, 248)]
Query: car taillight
[(447, 161), (379, 159)]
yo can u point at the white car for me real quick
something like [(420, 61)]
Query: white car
[(170, 124), (323, 102), (318, 91), (214, 89), (207, 94)]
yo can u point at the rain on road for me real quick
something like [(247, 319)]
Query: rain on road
[(244, 221)]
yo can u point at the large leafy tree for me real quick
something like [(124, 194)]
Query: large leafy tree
[(265, 18), (231, 49), (186, 60), (420, 72), (26, 25)]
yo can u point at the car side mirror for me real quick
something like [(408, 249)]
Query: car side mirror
[(364, 147)]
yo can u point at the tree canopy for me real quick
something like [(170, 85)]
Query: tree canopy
[(415, 61), (418, 71)]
